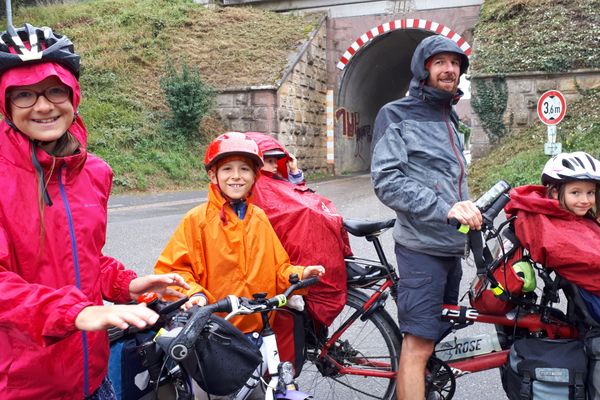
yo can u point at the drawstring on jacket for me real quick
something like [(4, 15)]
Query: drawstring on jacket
[(40, 172), (238, 206)]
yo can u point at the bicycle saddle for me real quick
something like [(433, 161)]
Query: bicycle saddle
[(359, 227)]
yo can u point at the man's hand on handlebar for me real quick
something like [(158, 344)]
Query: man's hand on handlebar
[(467, 214), (97, 318), (313, 270)]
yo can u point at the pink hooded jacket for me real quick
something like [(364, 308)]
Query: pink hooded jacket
[(45, 282)]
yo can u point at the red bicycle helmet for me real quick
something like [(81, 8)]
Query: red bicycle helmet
[(231, 144), (32, 44)]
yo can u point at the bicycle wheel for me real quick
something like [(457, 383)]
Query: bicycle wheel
[(369, 346), (440, 382)]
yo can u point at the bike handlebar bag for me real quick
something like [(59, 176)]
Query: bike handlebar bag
[(517, 279), (223, 358)]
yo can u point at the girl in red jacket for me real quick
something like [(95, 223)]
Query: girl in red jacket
[(557, 222), (53, 214)]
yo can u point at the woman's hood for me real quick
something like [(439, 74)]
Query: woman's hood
[(30, 74)]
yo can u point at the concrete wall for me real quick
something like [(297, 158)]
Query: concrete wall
[(348, 8), (334, 8), (432, 4), (302, 103), (524, 91), (292, 110), (249, 109)]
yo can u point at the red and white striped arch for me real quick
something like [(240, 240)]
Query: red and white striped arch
[(408, 23)]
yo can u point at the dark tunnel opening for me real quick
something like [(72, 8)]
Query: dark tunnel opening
[(377, 74)]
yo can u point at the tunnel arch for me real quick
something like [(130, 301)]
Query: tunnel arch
[(375, 71)]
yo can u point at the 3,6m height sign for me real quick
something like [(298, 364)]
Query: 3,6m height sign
[(551, 107)]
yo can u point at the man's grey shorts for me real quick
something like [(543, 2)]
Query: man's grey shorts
[(426, 282)]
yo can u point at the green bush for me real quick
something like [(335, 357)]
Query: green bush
[(189, 98)]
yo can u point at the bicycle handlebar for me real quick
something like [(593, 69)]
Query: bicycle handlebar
[(491, 203), (183, 343)]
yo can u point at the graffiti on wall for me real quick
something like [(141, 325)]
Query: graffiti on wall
[(351, 128), (349, 120)]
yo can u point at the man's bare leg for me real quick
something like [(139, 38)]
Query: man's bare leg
[(410, 380)]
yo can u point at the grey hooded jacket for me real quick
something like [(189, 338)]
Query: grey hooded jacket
[(418, 168)]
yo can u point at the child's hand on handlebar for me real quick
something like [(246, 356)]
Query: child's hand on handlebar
[(313, 270), (158, 284), (196, 300), (467, 213), (97, 318)]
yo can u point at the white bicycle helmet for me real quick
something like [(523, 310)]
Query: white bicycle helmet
[(32, 44), (574, 166)]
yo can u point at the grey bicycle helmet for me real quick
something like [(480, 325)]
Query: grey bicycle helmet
[(567, 167), (32, 44)]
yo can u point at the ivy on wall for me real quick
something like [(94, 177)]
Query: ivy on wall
[(489, 102)]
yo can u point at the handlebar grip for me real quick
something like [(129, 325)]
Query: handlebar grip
[(489, 198), (307, 282), (460, 227), (183, 343), (498, 205), (223, 305), (301, 284)]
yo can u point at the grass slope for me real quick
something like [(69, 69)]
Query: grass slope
[(125, 45), (537, 35)]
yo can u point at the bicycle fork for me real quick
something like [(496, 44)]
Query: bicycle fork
[(281, 384)]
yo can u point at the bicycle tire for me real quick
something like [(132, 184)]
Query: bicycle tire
[(323, 380)]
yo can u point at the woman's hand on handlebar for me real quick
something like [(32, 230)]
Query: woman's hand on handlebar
[(97, 318), (467, 213), (313, 270), (158, 284)]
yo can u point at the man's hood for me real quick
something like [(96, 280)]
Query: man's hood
[(434, 45)]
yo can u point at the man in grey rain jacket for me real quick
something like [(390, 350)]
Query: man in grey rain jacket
[(419, 170)]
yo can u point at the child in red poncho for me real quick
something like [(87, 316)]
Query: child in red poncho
[(557, 223)]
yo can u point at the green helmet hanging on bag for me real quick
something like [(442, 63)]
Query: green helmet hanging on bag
[(525, 271)]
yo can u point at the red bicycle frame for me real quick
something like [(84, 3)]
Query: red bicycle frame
[(456, 314)]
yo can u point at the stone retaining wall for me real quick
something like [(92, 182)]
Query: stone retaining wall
[(292, 110), (524, 90)]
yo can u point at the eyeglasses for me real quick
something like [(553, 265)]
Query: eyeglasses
[(25, 98)]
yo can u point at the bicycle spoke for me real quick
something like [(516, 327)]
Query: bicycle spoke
[(366, 347)]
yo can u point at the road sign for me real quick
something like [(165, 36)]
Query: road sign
[(551, 107)]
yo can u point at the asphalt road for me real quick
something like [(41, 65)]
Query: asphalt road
[(139, 227)]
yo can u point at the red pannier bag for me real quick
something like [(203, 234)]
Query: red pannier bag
[(483, 298)]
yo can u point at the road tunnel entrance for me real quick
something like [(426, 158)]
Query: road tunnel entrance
[(376, 70)]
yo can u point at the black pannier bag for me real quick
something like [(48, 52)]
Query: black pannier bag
[(126, 370), (223, 358), (592, 344), (545, 369)]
